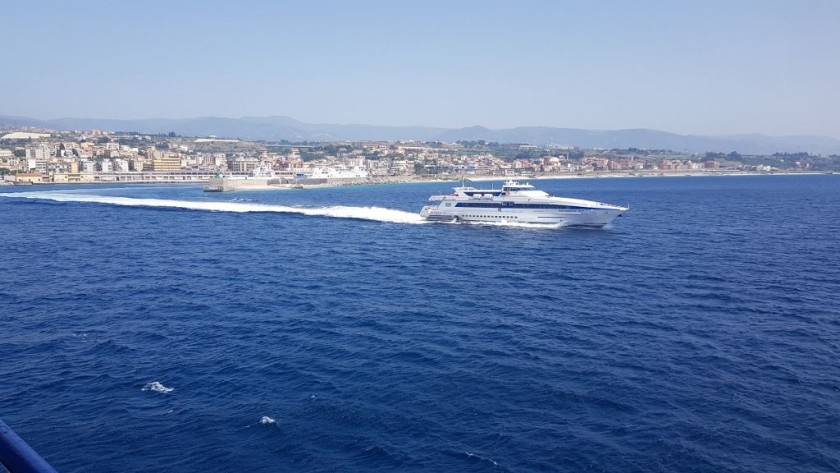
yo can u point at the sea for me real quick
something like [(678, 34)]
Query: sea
[(161, 328)]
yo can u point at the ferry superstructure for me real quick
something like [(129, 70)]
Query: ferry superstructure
[(520, 203)]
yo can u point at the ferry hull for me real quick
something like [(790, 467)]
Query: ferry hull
[(583, 219)]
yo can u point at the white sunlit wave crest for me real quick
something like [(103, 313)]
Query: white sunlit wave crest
[(157, 387), (265, 420)]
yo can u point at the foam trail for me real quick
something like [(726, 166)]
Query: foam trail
[(377, 214)]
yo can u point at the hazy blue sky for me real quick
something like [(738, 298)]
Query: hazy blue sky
[(701, 67)]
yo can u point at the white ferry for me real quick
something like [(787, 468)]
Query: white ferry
[(521, 203)]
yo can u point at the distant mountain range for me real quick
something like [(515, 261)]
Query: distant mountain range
[(284, 128)]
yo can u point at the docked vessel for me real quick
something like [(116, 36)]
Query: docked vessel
[(520, 203)]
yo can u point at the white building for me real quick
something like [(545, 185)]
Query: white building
[(38, 156), (120, 165)]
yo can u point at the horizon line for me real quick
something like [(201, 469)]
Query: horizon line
[(443, 128)]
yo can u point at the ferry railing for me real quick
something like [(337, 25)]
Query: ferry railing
[(16, 456)]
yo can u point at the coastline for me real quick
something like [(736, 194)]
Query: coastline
[(255, 185)]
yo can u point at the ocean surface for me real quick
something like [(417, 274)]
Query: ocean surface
[(160, 328)]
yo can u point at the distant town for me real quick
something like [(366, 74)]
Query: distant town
[(40, 156)]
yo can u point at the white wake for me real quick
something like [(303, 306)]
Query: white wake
[(509, 224), (378, 214)]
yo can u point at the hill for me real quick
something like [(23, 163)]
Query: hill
[(278, 128)]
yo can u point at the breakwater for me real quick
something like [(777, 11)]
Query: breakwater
[(225, 184)]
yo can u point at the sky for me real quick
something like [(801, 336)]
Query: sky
[(706, 67)]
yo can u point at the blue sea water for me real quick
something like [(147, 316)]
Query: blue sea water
[(149, 328)]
